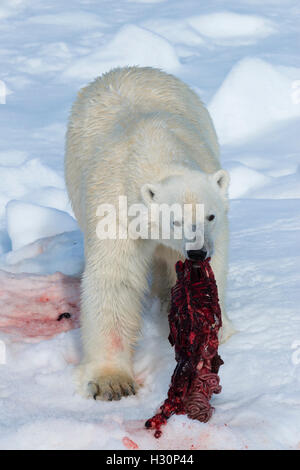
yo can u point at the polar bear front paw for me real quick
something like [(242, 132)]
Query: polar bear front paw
[(102, 384), (111, 387)]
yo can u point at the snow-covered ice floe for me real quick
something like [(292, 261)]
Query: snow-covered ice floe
[(243, 60)]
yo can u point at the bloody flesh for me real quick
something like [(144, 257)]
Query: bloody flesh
[(195, 320)]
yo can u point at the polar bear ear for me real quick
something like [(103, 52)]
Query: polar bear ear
[(221, 178), (148, 192)]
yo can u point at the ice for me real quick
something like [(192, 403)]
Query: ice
[(242, 60)]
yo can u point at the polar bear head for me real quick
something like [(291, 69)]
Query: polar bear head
[(191, 211)]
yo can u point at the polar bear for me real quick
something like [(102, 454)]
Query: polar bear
[(141, 133)]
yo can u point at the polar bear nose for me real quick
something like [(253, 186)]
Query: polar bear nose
[(197, 255)]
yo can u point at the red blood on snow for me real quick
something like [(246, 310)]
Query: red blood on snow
[(129, 443), (195, 320), (35, 307)]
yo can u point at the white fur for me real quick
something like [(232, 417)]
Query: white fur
[(131, 130)]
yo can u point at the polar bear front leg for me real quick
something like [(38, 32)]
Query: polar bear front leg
[(219, 264), (112, 285), (164, 275)]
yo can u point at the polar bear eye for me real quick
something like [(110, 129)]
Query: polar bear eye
[(211, 217)]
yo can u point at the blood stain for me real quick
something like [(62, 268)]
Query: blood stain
[(129, 444)]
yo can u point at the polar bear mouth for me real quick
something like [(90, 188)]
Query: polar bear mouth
[(197, 255)]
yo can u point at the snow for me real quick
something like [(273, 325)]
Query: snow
[(243, 60), (19, 181), (80, 20), (253, 96), (226, 24), (28, 222), (220, 28), (244, 179), (131, 45), (13, 158), (32, 306), (62, 253), (10, 7)]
